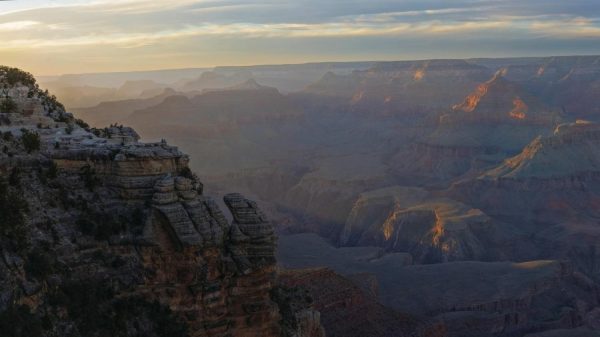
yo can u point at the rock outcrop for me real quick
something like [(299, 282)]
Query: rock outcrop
[(347, 310), (499, 100), (116, 237), (566, 161), (432, 229), (551, 189), (402, 88), (493, 122)]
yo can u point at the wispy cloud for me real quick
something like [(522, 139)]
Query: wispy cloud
[(138, 6), (104, 28), (288, 30), (17, 25)]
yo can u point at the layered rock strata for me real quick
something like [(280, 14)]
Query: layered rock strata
[(105, 235)]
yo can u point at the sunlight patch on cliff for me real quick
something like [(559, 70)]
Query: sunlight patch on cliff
[(419, 74), (472, 101), (519, 110)]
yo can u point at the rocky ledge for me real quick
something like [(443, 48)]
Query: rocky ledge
[(103, 235)]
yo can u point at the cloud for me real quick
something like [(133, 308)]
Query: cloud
[(324, 30), (138, 6), (17, 25), (105, 28)]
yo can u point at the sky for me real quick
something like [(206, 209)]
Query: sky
[(80, 36)]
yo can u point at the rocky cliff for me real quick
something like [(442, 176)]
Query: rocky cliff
[(347, 310), (551, 189), (102, 235), (406, 88), (432, 229), (492, 122)]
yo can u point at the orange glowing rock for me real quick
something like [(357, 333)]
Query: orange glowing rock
[(519, 110), (419, 74), (357, 97), (438, 230), (473, 99)]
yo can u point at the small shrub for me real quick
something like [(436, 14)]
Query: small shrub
[(88, 175), (8, 105), (187, 173), (82, 124), (14, 178), (4, 119), (15, 76), (52, 171), (7, 136), (69, 129), (63, 118), (31, 140)]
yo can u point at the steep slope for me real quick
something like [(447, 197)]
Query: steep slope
[(500, 101), (552, 189), (493, 122), (466, 298), (103, 235), (76, 94), (566, 161), (348, 311), (215, 110), (570, 151), (112, 112), (432, 229), (569, 82)]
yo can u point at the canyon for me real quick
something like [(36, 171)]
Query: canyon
[(444, 197)]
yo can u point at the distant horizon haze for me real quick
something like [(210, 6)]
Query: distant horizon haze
[(324, 62)]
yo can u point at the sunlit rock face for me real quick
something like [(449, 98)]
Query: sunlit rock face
[(566, 160), (568, 82), (500, 101), (118, 228), (551, 187), (403, 88), (431, 229), (494, 121)]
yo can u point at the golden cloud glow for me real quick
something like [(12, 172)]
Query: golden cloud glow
[(107, 32), (286, 30), (17, 25)]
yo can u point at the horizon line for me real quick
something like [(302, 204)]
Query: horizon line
[(207, 68)]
